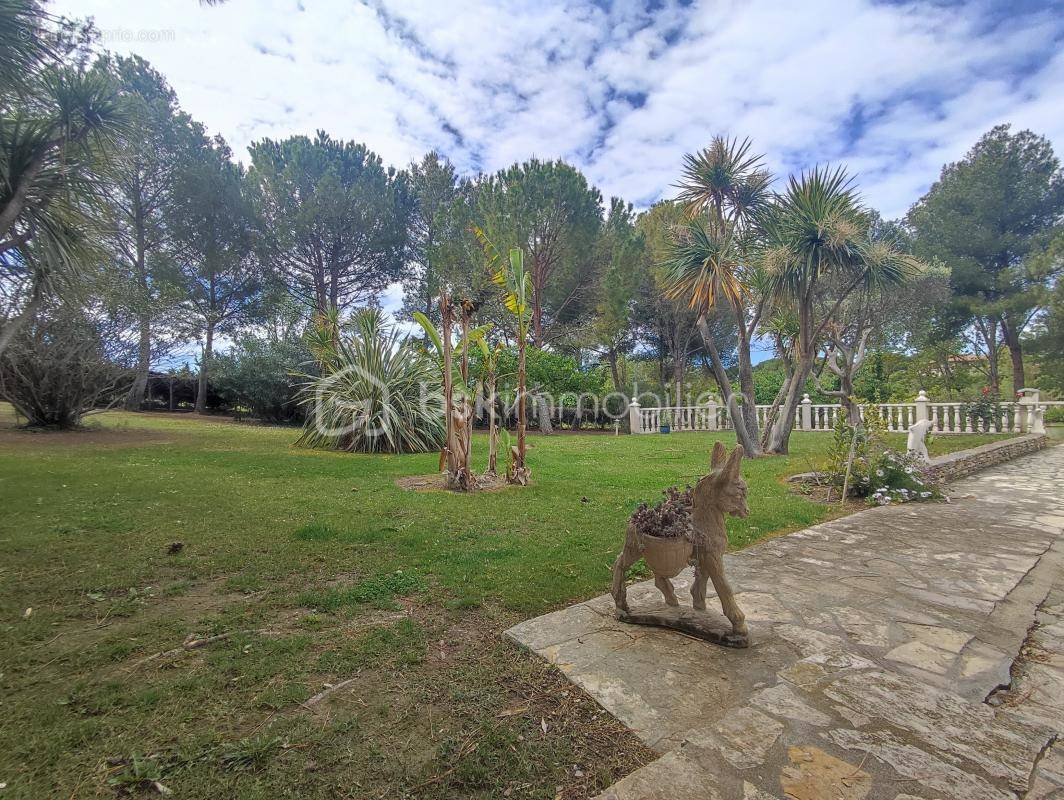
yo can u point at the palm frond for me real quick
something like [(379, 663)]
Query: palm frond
[(720, 173), (699, 267)]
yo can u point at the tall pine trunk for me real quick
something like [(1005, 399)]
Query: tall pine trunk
[(204, 370), (1012, 341), (140, 381)]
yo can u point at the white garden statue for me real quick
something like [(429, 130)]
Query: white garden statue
[(917, 445)]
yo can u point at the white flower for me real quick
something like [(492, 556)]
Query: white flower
[(879, 473)]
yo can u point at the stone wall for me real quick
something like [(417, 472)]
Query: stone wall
[(965, 462)]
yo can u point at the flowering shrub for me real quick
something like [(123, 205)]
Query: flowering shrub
[(900, 478), (879, 473)]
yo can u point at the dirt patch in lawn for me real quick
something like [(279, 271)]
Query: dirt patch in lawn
[(829, 496), (89, 435), (108, 617), (476, 700), (437, 482)]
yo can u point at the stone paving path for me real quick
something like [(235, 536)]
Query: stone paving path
[(884, 648)]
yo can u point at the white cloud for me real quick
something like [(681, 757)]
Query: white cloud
[(892, 89)]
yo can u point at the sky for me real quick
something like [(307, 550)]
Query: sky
[(622, 90)]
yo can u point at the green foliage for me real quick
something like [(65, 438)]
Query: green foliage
[(984, 411), (251, 753), (988, 218), (138, 773), (376, 392), (553, 373), (442, 246), (334, 217), (877, 471), (59, 124), (261, 375), (547, 210), (620, 255), (1048, 343)]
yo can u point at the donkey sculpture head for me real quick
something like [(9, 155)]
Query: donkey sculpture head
[(723, 488)]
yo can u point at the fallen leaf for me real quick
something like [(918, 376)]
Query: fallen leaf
[(510, 712)]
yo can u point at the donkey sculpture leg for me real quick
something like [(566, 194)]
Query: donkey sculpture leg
[(698, 587), (711, 565), (665, 587), (629, 555)]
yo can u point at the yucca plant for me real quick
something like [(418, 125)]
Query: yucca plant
[(377, 393), (516, 284)]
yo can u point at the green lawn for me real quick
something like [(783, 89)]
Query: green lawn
[(321, 569)]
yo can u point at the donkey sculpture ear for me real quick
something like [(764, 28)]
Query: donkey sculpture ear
[(731, 469), (717, 457)]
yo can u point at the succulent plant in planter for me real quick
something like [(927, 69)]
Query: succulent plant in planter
[(666, 534)]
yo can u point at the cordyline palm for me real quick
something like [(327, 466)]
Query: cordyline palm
[(816, 252), (49, 150), (724, 190), (58, 124), (24, 44), (516, 284)]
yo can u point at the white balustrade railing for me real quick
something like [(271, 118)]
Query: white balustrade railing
[(1024, 416)]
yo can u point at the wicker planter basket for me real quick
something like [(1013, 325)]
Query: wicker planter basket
[(666, 556)]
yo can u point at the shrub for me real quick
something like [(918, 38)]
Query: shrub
[(377, 393), (62, 364), (877, 472), (261, 375), (984, 411), (900, 478)]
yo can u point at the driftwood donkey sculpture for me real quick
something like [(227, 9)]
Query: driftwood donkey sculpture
[(722, 491)]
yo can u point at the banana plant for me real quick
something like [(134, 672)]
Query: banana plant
[(516, 284), (489, 368), (458, 417)]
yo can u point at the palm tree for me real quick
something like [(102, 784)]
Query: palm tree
[(57, 123), (816, 253), (370, 395), (724, 190)]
